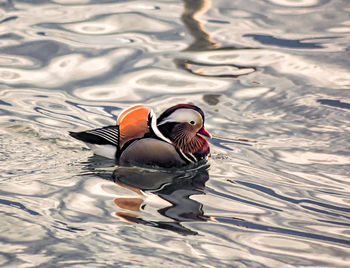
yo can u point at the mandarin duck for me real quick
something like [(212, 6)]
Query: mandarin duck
[(175, 139)]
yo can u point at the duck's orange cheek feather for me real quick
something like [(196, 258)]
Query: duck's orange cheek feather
[(133, 123)]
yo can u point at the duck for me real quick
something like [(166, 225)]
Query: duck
[(177, 138)]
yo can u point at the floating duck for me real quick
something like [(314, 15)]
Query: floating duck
[(176, 139)]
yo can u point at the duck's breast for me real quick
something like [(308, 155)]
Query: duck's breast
[(153, 152)]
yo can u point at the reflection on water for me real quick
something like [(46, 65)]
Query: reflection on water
[(272, 77), (204, 42), (175, 189), (214, 70), (202, 39)]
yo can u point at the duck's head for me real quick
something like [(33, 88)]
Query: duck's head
[(183, 124)]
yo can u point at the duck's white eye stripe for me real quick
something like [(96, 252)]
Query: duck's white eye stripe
[(183, 115)]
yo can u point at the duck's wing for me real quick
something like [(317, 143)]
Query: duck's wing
[(133, 123), (103, 141), (101, 136)]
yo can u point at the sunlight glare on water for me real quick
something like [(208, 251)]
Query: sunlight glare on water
[(273, 80)]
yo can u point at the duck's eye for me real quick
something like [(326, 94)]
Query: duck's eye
[(192, 122)]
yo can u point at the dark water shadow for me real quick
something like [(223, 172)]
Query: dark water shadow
[(18, 205), (288, 43), (8, 19), (335, 103)]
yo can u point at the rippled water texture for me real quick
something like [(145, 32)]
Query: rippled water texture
[(273, 79)]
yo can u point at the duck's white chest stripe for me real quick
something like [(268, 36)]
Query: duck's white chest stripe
[(186, 157), (192, 157)]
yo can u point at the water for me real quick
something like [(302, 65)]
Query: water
[(273, 79)]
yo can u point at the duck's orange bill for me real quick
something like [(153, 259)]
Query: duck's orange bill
[(205, 132)]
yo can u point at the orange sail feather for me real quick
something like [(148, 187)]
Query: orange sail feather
[(133, 123)]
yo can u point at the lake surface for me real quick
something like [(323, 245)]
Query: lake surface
[(273, 79)]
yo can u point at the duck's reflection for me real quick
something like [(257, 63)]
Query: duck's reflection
[(163, 199)]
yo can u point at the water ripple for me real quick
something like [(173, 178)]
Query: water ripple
[(272, 77)]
